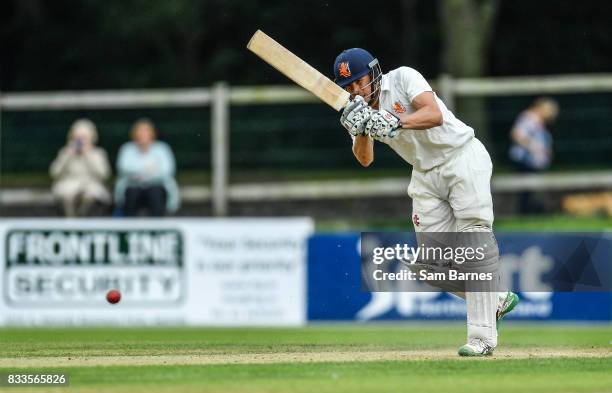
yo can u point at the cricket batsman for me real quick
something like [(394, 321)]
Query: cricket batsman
[(451, 169)]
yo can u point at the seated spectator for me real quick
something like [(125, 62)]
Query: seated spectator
[(145, 174), (531, 149), (79, 172)]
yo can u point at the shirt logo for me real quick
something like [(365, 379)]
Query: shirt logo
[(415, 220), (398, 107), (344, 69)]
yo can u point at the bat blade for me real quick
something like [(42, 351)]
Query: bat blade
[(298, 70)]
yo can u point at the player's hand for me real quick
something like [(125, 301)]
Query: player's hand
[(382, 124), (355, 116)]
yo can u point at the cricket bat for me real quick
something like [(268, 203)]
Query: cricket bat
[(298, 70)]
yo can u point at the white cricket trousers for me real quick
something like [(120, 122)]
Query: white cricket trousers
[(456, 197)]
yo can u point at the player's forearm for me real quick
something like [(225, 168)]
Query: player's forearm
[(363, 149), (422, 119)]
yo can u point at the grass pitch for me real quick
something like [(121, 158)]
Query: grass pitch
[(338, 358)]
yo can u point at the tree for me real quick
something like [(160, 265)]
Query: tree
[(467, 27)]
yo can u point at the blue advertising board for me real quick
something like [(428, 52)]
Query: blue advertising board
[(335, 291)]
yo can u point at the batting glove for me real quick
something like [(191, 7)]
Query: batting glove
[(382, 124), (355, 116)]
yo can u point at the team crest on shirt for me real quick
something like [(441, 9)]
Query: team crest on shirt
[(416, 220), (398, 107), (344, 70)]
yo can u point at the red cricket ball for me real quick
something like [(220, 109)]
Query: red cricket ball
[(113, 296)]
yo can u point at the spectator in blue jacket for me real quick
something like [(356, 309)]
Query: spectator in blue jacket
[(532, 142), (145, 174)]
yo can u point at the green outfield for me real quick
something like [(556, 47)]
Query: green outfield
[(329, 358)]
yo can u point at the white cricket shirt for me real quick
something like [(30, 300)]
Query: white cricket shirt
[(423, 149)]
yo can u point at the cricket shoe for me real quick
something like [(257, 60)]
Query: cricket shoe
[(507, 304), (476, 347)]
